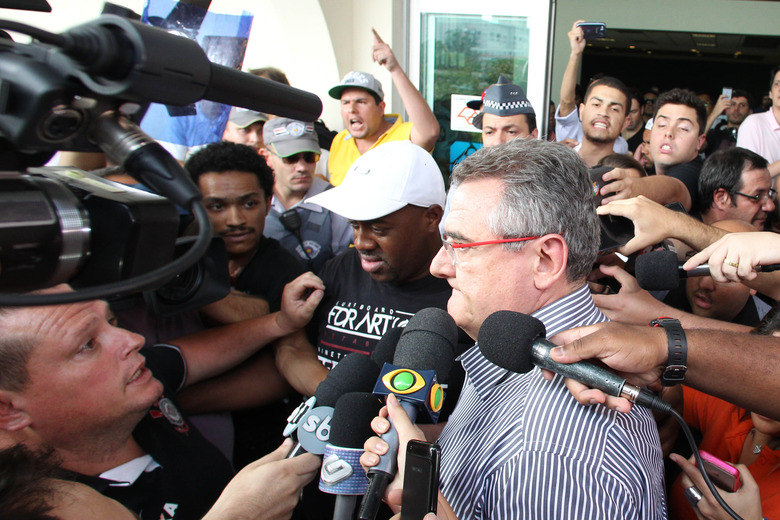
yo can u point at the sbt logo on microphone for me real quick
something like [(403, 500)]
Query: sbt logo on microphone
[(314, 429), (416, 386)]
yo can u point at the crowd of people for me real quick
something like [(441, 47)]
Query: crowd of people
[(332, 241)]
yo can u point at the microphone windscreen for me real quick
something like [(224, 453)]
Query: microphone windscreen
[(354, 373), (506, 339), (385, 347), (657, 271), (351, 422), (428, 342)]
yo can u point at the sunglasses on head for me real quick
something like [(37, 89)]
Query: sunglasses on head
[(309, 157)]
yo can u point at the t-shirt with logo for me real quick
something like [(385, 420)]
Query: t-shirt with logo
[(183, 474), (357, 311)]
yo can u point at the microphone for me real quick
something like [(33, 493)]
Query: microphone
[(312, 419), (341, 474), (138, 62), (660, 270), (423, 357), (354, 375), (517, 342)]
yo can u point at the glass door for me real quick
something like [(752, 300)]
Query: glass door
[(457, 50)]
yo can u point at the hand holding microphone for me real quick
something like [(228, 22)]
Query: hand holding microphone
[(423, 357), (751, 252), (517, 342)]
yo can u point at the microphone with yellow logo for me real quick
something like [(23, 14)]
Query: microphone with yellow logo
[(422, 360)]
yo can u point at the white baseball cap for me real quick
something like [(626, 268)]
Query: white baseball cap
[(384, 180)]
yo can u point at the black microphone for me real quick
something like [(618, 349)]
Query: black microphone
[(660, 270), (312, 419), (517, 342), (134, 61), (423, 358), (384, 350), (341, 474)]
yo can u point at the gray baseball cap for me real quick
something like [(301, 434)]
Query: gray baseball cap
[(357, 79), (286, 137), (243, 117)]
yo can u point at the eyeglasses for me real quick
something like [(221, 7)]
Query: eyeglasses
[(649, 101), (759, 198), (309, 157), (451, 248)]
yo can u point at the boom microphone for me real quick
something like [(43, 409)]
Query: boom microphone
[(423, 357), (125, 58), (341, 474), (660, 270), (516, 342)]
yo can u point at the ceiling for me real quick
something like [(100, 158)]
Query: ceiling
[(755, 49)]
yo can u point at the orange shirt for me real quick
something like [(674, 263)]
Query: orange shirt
[(724, 428)]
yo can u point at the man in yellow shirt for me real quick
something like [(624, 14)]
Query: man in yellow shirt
[(366, 125)]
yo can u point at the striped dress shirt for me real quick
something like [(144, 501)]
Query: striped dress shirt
[(518, 446)]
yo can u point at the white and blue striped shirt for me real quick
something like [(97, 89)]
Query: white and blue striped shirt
[(518, 446)]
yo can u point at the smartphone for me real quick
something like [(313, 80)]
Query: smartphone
[(727, 91), (421, 480), (722, 474), (593, 30)]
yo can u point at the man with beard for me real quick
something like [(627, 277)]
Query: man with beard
[(634, 123), (736, 108), (602, 114), (504, 113), (366, 125)]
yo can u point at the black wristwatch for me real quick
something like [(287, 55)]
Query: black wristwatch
[(674, 373)]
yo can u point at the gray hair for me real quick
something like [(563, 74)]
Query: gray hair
[(546, 190), (15, 350)]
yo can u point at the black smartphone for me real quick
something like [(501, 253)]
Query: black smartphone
[(593, 30), (421, 480)]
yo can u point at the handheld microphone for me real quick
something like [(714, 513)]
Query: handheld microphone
[(423, 357), (312, 419), (660, 270), (342, 380), (517, 342), (341, 474)]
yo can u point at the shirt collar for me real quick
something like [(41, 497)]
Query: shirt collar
[(317, 186), (574, 309)]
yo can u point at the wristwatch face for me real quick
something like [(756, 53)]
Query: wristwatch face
[(674, 374)]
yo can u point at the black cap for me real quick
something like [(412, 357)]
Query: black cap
[(503, 98)]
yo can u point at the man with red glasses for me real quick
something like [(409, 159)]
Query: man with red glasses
[(522, 235), (310, 232)]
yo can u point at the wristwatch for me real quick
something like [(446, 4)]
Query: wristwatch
[(674, 373)]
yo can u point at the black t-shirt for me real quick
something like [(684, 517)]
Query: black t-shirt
[(258, 430), (688, 173), (357, 311), (268, 271), (192, 472), (635, 140), (720, 138)]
